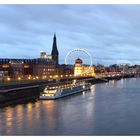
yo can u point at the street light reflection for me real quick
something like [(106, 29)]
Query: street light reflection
[(93, 89)]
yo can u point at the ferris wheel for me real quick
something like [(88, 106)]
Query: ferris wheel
[(79, 53)]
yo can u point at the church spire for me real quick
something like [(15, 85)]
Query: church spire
[(54, 52), (54, 47)]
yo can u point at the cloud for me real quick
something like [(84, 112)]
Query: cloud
[(109, 32)]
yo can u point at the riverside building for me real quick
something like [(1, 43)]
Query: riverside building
[(82, 70), (43, 67)]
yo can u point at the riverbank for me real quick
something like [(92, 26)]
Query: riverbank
[(107, 79), (12, 93), (18, 94)]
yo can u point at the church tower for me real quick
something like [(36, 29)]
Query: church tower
[(55, 53)]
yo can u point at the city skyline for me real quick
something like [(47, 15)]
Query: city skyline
[(109, 32)]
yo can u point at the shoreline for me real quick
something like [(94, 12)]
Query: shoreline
[(24, 94), (107, 79)]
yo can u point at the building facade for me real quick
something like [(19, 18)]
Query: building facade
[(82, 70), (44, 67)]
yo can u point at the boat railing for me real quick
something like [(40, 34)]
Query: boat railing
[(66, 86)]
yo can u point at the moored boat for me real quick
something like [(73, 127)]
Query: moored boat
[(58, 92)]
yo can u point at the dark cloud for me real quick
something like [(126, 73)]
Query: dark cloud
[(109, 32)]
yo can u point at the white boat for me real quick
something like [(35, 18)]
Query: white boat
[(64, 90)]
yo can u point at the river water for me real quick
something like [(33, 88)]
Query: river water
[(108, 109)]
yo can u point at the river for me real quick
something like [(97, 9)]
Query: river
[(108, 109)]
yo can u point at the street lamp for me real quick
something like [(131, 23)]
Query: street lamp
[(19, 78)]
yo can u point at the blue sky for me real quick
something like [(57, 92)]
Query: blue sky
[(111, 33)]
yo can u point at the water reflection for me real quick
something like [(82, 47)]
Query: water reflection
[(50, 112), (84, 93), (29, 114), (122, 82), (37, 110), (93, 89), (9, 117), (113, 82), (29, 107), (105, 110), (19, 112)]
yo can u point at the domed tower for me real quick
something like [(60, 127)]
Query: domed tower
[(78, 62), (78, 68), (55, 53)]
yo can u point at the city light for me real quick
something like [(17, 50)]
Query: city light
[(29, 77), (19, 78), (44, 68), (97, 90), (37, 77), (8, 79)]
